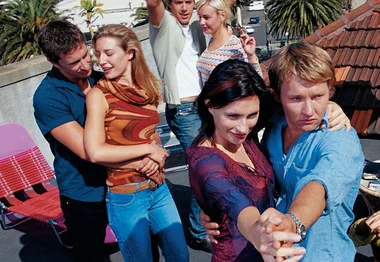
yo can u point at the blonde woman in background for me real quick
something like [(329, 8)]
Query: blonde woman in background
[(214, 16)]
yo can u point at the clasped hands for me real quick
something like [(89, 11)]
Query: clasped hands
[(153, 163), (274, 235)]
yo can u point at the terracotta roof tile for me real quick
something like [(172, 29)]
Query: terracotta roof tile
[(343, 56), (376, 58), (375, 21), (362, 57), (365, 75), (375, 78), (348, 56), (352, 38), (345, 73), (368, 37), (345, 39), (338, 73), (353, 57), (331, 27), (355, 77)]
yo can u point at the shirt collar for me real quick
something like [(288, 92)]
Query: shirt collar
[(62, 81)]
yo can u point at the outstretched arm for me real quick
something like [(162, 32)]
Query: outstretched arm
[(95, 145), (156, 11)]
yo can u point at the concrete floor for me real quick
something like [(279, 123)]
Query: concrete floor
[(33, 241)]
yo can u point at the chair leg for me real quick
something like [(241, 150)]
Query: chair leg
[(5, 216), (54, 225)]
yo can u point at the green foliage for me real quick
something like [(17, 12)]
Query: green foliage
[(141, 14), (91, 10), (20, 24), (300, 17)]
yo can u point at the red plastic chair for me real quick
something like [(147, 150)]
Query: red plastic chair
[(25, 183)]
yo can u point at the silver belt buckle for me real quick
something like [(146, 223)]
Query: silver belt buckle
[(152, 186)]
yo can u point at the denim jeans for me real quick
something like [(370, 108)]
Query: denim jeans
[(184, 122), (133, 216)]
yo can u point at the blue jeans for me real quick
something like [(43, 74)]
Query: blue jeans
[(133, 216), (184, 122)]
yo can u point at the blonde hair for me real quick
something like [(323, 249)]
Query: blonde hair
[(305, 60), (219, 5), (141, 74)]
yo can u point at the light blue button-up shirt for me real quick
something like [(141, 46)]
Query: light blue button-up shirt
[(332, 158)]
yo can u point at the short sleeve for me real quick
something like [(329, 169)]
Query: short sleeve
[(51, 109), (339, 166), (218, 189)]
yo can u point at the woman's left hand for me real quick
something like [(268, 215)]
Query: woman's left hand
[(147, 167), (249, 45), (336, 117), (272, 247)]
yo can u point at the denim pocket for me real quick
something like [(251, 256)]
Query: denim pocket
[(121, 200)]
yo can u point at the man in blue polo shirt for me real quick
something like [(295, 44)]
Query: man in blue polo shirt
[(59, 104)]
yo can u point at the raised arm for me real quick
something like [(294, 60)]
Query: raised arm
[(95, 145), (156, 11)]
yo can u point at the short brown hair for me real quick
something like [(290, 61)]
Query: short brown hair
[(305, 60), (59, 37)]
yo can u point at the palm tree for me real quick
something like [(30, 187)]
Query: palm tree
[(296, 18), (20, 24), (141, 15), (91, 10)]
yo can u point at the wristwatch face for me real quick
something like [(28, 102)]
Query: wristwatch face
[(303, 232)]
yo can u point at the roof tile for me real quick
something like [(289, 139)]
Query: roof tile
[(342, 58), (374, 78), (375, 21), (338, 73), (355, 77), (345, 39), (362, 57), (331, 27), (376, 58), (368, 37)]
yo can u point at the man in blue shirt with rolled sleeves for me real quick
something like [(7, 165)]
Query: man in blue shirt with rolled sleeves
[(318, 171), (60, 112)]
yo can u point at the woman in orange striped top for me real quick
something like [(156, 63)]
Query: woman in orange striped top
[(120, 128)]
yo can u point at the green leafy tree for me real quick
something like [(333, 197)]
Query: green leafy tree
[(300, 17), (20, 24), (141, 15), (91, 10)]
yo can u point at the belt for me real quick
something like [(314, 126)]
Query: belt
[(133, 187)]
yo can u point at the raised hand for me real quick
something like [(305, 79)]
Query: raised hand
[(249, 46), (337, 118)]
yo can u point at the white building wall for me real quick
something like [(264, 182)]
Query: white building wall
[(117, 12)]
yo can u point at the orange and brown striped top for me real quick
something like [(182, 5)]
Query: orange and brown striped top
[(130, 120)]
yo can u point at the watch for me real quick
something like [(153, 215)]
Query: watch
[(301, 230)]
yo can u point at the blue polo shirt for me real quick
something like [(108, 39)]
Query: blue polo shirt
[(335, 160), (58, 101)]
